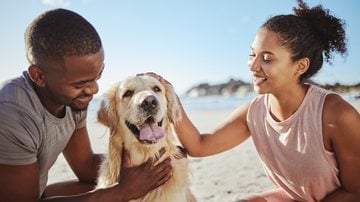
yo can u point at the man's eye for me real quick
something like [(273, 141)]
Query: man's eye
[(128, 93), (156, 89), (79, 86)]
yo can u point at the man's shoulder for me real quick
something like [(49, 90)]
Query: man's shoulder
[(18, 99), (14, 89), (18, 92)]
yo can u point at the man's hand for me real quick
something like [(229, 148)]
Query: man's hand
[(141, 179)]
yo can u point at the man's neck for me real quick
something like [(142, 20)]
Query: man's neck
[(51, 106)]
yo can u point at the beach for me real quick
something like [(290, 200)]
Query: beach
[(225, 177)]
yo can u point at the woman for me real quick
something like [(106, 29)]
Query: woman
[(307, 137)]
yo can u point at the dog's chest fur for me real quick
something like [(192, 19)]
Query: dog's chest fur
[(176, 189)]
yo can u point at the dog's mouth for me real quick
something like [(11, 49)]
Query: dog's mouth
[(147, 133)]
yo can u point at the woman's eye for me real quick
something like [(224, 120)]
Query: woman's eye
[(128, 93), (267, 59), (251, 58), (156, 89)]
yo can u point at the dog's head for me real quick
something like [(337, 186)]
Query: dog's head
[(142, 105)]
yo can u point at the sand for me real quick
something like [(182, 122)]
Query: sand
[(224, 177)]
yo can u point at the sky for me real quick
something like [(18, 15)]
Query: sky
[(188, 42)]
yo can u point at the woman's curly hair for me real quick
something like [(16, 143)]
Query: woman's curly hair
[(310, 32)]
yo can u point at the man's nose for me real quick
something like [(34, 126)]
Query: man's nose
[(91, 88)]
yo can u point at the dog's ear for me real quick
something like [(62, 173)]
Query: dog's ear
[(107, 111), (173, 104), (102, 114)]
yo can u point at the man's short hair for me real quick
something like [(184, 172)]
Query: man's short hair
[(58, 33)]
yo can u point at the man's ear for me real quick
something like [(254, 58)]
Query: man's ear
[(302, 66), (36, 75)]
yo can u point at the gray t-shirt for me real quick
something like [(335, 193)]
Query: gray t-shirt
[(28, 132)]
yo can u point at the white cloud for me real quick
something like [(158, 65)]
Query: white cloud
[(63, 3)]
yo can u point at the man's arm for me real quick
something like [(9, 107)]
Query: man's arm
[(83, 162), (80, 156), (19, 183), (135, 182)]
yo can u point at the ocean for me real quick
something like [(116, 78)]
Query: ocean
[(214, 102), (207, 103), (194, 103)]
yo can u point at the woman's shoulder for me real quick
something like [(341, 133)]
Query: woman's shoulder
[(340, 120), (257, 105), (260, 99), (336, 106), (340, 115)]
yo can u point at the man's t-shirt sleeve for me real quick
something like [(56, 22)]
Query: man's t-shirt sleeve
[(18, 140)]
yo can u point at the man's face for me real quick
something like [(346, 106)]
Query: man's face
[(75, 83)]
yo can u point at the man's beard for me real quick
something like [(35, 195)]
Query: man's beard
[(78, 109)]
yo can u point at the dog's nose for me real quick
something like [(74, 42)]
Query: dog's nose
[(149, 103)]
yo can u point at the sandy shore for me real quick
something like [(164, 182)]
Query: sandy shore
[(224, 177)]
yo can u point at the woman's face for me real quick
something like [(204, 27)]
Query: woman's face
[(270, 63)]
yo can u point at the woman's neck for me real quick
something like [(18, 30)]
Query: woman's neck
[(286, 103)]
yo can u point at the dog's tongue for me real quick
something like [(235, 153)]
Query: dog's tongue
[(151, 132)]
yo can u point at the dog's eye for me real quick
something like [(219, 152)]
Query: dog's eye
[(156, 89), (128, 93)]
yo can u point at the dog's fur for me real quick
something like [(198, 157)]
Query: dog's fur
[(124, 103)]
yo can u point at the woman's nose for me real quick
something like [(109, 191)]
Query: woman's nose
[(253, 64)]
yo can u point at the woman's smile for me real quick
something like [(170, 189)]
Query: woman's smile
[(258, 80)]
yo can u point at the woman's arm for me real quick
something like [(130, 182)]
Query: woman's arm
[(342, 128), (226, 135)]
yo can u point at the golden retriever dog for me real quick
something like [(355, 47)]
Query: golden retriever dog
[(140, 113)]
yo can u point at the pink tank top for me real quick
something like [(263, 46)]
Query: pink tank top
[(292, 151)]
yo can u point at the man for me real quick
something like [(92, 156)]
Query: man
[(43, 113)]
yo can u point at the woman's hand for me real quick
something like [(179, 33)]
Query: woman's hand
[(156, 76)]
